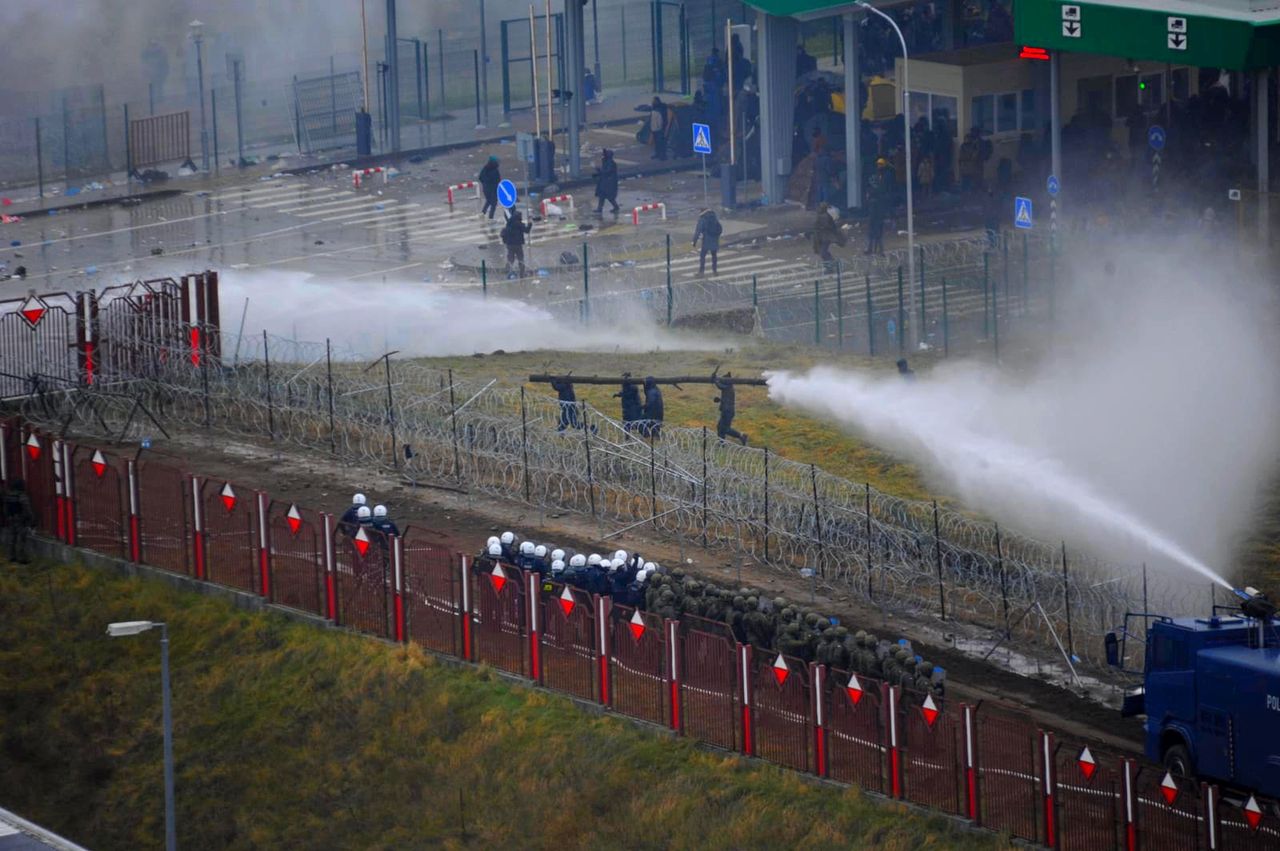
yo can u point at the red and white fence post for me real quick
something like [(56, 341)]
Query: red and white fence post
[(1129, 769), (330, 580), (534, 595), (135, 523), (970, 764), (466, 184), (264, 545), (358, 174), (890, 697), (465, 565), (603, 605), (1210, 796), (68, 493), (397, 563), (673, 672), (197, 520), (644, 208), (59, 496), (744, 679), (1050, 823), (818, 679), (542, 206)]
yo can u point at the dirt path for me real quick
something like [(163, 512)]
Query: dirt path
[(463, 521)]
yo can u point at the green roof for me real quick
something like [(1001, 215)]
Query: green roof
[(799, 8), (1236, 34)]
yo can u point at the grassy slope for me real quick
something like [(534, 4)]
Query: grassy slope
[(291, 737)]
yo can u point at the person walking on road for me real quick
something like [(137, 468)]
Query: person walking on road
[(708, 230), (513, 234), (607, 182), (489, 178), (826, 233), (728, 409)]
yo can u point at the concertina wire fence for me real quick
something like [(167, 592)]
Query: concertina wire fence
[(900, 555)]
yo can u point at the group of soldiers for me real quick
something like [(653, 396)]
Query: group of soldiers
[(359, 515), (773, 625)]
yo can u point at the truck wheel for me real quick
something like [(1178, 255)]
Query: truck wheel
[(1178, 761)]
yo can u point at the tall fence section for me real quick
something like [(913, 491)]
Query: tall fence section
[(986, 763)]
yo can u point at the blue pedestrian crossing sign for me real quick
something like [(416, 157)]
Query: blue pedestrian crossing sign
[(701, 138), (507, 194), (1022, 213), (1053, 186)]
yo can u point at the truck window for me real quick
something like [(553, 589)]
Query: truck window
[(1167, 654)]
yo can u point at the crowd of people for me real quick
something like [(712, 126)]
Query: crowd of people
[(360, 516), (768, 624), (645, 416)]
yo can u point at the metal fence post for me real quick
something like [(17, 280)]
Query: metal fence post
[(622, 15), (391, 410), (1005, 243), (986, 294), (817, 520), (1053, 283), (328, 364), (995, 324), (766, 503), (237, 66), (653, 479), (817, 315), (453, 418), (586, 442), (426, 76), (867, 509), (128, 149), (475, 63), (839, 308), (39, 161), (937, 558), (1004, 583), (755, 293), (586, 285), (1025, 275), (484, 278), (440, 62), (266, 359), (946, 325), (704, 487), (66, 136), (902, 317), (670, 292), (923, 328), (1066, 599), (524, 442), (871, 322), (213, 112)]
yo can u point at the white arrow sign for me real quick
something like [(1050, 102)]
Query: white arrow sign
[(1071, 29), (1177, 41)]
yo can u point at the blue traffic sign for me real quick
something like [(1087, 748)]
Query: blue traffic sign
[(701, 139), (1053, 185), (507, 194), (1156, 137), (1022, 213)]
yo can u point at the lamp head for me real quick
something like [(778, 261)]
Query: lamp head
[(125, 628)]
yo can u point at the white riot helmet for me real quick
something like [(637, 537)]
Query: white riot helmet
[(557, 566), (643, 575), (358, 499), (379, 511), (540, 551), (557, 554), (620, 555), (508, 538), (493, 541), (526, 548), (495, 550), (650, 567), (613, 566), (594, 559), (579, 560), (363, 512)]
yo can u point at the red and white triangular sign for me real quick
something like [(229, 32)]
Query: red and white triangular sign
[(33, 447), (929, 709), (228, 497), (294, 518), (1253, 813), (498, 577), (362, 542), (566, 601), (780, 669), (33, 310), (1169, 788), (1088, 765), (99, 463), (636, 625), (854, 689)]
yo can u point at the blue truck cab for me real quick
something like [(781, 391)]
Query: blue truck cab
[(1212, 700)]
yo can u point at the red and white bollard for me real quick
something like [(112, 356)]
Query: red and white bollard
[(603, 605), (644, 208), (135, 522), (264, 545), (533, 593), (673, 673), (466, 184), (197, 519), (555, 199), (744, 674), (397, 562), (360, 173), (818, 678)]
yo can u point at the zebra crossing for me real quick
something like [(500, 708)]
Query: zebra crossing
[(383, 217), (732, 265)]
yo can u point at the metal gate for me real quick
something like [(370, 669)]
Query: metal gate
[(709, 693), (296, 540), (1087, 796), (164, 505), (140, 328), (1008, 773), (501, 636), (518, 62), (930, 765), (432, 594), (568, 641), (638, 674), (38, 344), (669, 38), (855, 730), (230, 539), (158, 139), (362, 564), (324, 110), (781, 711), (99, 502), (1167, 816)]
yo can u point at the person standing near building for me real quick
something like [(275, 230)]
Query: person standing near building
[(489, 178)]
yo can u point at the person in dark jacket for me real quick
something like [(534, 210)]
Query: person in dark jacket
[(708, 230), (489, 178), (659, 120), (632, 410), (18, 518), (568, 403), (513, 234), (905, 370), (607, 182), (349, 521), (728, 409), (653, 408), (826, 233), (383, 522)]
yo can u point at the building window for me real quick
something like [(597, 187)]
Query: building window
[(934, 108), (1005, 112)]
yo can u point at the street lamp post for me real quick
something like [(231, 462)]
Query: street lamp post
[(197, 36), (906, 125), (126, 628)]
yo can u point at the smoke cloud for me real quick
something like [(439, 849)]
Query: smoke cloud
[(1145, 435)]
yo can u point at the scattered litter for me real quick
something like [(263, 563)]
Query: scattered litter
[(203, 193), (91, 270), (417, 159), (15, 243), (6, 202), (379, 207), (543, 273), (10, 220), (73, 190), (319, 242), (157, 251)]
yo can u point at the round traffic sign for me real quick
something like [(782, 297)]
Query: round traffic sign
[(507, 194), (1156, 137), (1053, 185)]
